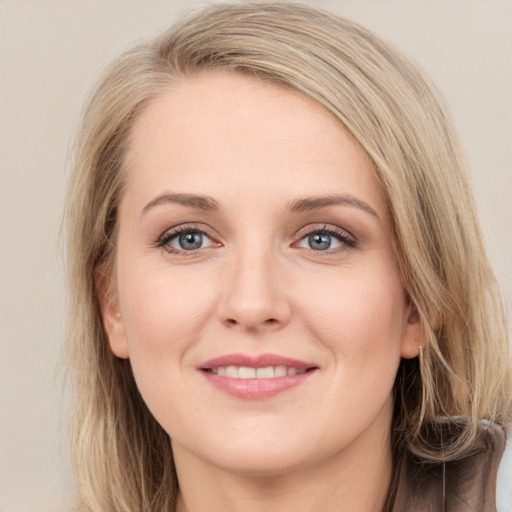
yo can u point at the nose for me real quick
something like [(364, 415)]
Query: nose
[(254, 299)]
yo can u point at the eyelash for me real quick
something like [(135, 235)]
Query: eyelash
[(164, 240), (347, 241)]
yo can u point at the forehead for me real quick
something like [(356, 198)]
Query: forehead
[(220, 133)]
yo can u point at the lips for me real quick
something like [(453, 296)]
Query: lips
[(247, 372), (257, 377)]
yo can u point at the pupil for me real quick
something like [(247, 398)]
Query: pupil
[(319, 241), (190, 241)]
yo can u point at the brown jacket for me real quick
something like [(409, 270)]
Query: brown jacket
[(467, 485)]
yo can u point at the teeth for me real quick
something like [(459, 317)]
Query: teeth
[(246, 372), (280, 371), (232, 371), (265, 373)]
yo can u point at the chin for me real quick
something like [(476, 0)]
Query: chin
[(268, 455), (264, 464)]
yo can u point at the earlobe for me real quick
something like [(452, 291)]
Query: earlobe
[(111, 316), (413, 334)]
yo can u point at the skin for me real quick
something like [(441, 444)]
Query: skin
[(258, 286)]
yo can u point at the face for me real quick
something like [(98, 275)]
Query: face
[(257, 293)]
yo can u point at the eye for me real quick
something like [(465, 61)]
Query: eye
[(320, 241), (329, 238), (185, 239), (188, 241)]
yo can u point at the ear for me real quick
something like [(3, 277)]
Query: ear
[(413, 334), (109, 305)]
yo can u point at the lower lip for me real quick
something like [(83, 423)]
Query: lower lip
[(254, 389)]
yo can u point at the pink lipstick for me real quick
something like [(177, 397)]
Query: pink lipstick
[(256, 377)]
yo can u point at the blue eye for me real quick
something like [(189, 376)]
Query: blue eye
[(190, 241), (319, 241), (326, 239), (184, 239)]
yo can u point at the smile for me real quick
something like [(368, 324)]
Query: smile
[(247, 372), (256, 377)]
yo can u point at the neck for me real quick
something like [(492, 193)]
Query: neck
[(357, 479)]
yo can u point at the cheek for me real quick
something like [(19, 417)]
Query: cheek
[(164, 310), (360, 322), (360, 317)]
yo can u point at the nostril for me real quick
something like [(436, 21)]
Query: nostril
[(252, 323)]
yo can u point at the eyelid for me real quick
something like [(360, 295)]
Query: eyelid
[(171, 233), (348, 240)]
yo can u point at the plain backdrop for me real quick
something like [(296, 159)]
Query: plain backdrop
[(50, 53)]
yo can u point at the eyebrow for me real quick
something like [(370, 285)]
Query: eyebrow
[(304, 204), (318, 202), (191, 200)]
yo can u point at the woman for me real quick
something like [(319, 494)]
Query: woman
[(279, 294)]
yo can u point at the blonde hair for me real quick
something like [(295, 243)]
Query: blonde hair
[(122, 457)]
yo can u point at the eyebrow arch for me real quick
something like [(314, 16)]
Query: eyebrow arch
[(192, 201), (318, 202)]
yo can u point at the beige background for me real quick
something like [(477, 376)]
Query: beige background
[(50, 51)]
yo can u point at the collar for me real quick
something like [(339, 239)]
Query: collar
[(464, 485)]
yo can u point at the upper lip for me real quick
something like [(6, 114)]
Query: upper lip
[(259, 361)]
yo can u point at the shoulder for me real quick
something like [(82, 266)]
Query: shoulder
[(464, 485)]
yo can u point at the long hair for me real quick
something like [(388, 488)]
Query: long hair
[(122, 457)]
